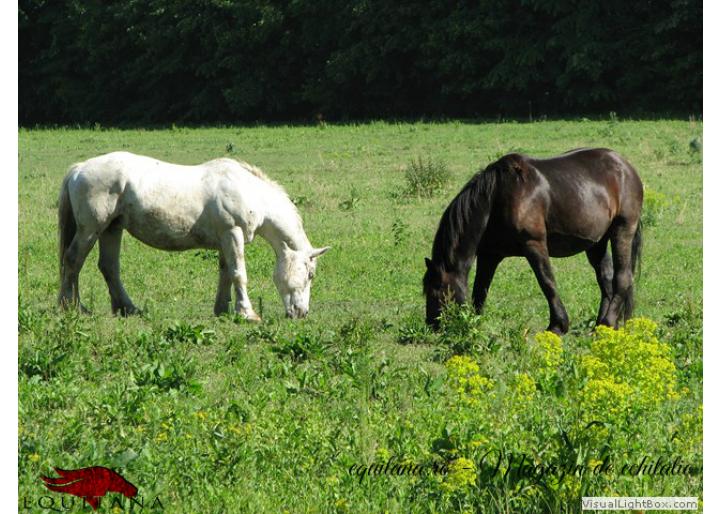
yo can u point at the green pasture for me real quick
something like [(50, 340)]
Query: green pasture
[(217, 415)]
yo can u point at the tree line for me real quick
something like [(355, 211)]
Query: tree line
[(223, 61)]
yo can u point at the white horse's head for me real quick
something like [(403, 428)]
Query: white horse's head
[(293, 276)]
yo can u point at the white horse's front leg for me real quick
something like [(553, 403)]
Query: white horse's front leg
[(233, 249)]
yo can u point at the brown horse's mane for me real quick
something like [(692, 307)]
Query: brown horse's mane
[(464, 221)]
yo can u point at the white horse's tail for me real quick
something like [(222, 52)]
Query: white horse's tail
[(66, 221)]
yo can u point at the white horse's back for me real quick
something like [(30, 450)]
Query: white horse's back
[(167, 206)]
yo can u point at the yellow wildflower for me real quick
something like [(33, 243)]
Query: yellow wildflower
[(464, 378), (382, 454), (604, 398), (478, 441), (627, 367), (551, 349), (593, 463), (525, 387), (241, 429), (690, 434), (461, 474)]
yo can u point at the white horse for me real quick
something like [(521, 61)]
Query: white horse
[(220, 204)]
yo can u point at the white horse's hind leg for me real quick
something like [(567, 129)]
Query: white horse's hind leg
[(73, 261), (109, 264), (233, 249), (222, 300)]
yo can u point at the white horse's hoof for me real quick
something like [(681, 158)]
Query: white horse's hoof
[(251, 316)]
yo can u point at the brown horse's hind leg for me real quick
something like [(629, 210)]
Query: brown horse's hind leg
[(621, 240), (486, 266), (537, 255), (601, 262), (109, 264)]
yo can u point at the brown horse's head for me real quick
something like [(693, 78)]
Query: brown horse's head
[(441, 286)]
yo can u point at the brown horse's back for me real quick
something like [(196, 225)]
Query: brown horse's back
[(570, 200)]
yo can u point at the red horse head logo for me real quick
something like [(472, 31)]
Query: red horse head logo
[(90, 483)]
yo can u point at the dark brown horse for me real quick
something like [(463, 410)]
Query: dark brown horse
[(537, 209)]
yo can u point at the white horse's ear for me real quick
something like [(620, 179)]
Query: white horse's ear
[(285, 248), (317, 252)]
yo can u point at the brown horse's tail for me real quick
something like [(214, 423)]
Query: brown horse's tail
[(635, 259), (66, 222)]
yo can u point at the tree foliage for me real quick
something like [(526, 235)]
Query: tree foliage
[(153, 61)]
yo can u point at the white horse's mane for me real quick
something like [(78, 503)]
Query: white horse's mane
[(260, 174), (263, 176)]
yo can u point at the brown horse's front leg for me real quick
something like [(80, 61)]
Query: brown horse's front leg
[(537, 255), (486, 266)]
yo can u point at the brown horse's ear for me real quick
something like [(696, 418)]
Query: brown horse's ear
[(519, 168), (429, 264)]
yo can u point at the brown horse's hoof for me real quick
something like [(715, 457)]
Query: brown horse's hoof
[(130, 310), (67, 304), (558, 330)]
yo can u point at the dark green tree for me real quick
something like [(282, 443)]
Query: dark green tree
[(209, 61)]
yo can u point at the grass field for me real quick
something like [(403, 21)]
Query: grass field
[(216, 415)]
